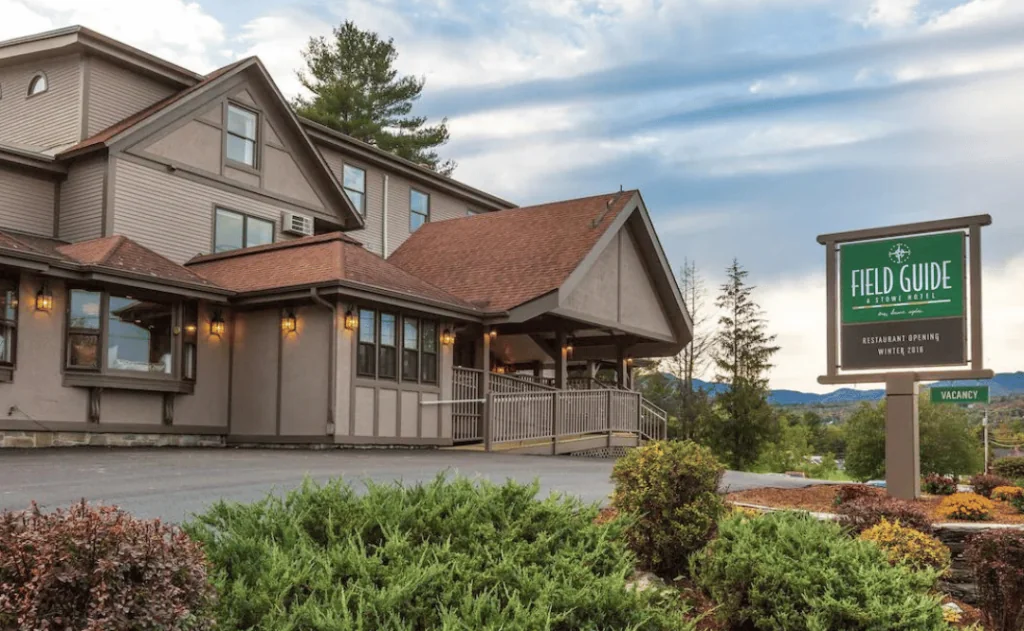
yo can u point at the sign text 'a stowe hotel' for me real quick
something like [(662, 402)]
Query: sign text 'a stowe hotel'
[(902, 302)]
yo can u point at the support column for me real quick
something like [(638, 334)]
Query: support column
[(561, 363), (620, 366), (593, 368), (538, 369), (902, 438), (484, 365)]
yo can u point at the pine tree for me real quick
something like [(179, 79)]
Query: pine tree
[(357, 91), (742, 352)]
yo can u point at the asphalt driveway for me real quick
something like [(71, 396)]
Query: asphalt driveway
[(175, 483)]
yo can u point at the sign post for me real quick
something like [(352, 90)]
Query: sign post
[(904, 306)]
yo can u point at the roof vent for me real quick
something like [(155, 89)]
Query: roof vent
[(294, 223)]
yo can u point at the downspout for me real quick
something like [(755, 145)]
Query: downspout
[(384, 220), (332, 382)]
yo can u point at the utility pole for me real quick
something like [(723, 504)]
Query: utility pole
[(984, 427)]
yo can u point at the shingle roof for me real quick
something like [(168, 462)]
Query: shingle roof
[(498, 261), (105, 135), (122, 254), (326, 258)]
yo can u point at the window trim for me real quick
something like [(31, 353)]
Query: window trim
[(402, 380), (426, 217), (103, 375), (245, 228), (39, 74), (346, 165), (256, 150)]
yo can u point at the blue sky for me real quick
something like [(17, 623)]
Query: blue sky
[(750, 126)]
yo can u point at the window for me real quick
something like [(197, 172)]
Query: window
[(234, 230), (139, 335), (366, 362), (428, 356), (354, 181), (38, 84), (387, 353), (419, 209), (470, 212), (410, 350), (189, 352), (241, 135), (84, 329), (8, 321)]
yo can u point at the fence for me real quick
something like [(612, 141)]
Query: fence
[(466, 424)]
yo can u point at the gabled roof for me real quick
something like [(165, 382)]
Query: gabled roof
[(327, 259), (498, 261)]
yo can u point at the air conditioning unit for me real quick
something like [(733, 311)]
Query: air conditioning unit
[(294, 223)]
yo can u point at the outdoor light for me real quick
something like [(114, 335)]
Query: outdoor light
[(217, 324), (499, 370), (568, 347), (191, 329), (629, 361), (44, 299), (288, 324), (493, 333), (351, 321), (447, 337)]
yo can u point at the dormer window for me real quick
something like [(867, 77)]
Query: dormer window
[(241, 136), (38, 84)]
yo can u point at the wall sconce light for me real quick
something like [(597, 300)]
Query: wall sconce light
[(568, 347), (447, 338), (493, 333), (288, 323), (191, 329), (44, 299), (499, 370), (629, 361), (217, 324), (351, 321)]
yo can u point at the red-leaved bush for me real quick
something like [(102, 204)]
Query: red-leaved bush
[(864, 512), (96, 568), (997, 560), (849, 492), (985, 483)]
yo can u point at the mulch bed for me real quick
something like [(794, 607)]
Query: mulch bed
[(821, 499)]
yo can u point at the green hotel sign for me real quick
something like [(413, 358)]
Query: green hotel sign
[(907, 278), (960, 394)]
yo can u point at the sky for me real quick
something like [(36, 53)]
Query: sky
[(750, 126)]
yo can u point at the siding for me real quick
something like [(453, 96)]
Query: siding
[(442, 207), (48, 120), (81, 201), (173, 215), (26, 203), (372, 235), (116, 93)]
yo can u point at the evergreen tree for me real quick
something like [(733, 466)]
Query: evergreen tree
[(742, 353), (357, 91)]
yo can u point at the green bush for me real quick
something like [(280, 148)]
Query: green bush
[(671, 491), (1011, 467), (788, 571), (443, 555)]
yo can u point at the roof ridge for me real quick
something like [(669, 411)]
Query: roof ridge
[(326, 237)]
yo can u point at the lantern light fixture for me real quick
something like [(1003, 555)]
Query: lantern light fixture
[(493, 333), (351, 321), (447, 337), (568, 348), (44, 299), (288, 322), (191, 328), (217, 324)]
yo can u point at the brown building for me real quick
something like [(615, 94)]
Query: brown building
[(184, 260)]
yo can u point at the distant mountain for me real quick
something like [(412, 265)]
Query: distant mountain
[(1003, 384)]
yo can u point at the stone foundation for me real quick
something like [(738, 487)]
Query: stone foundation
[(959, 582), (29, 440), (601, 452)]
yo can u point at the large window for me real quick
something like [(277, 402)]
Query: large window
[(428, 356), (234, 230), (139, 335), (354, 181), (419, 209), (366, 362), (387, 347), (121, 334), (241, 135), (8, 321), (410, 349)]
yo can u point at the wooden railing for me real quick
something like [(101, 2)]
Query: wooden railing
[(515, 384), (653, 421), (466, 424), (522, 416)]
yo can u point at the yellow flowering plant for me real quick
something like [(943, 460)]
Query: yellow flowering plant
[(1006, 493), (966, 507), (906, 546)]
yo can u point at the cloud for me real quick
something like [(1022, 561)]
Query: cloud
[(975, 12), (278, 40), (891, 13)]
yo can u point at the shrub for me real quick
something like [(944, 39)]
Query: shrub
[(442, 555), (907, 546), (788, 571), (985, 483), (996, 558), (1006, 493), (96, 567), (1017, 502), (967, 507), (671, 490), (936, 484), (863, 513), (1011, 467), (849, 492)]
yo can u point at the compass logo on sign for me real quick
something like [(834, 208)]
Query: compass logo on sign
[(899, 254)]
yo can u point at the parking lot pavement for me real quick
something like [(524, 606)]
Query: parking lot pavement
[(175, 483)]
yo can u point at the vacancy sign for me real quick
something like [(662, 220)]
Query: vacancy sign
[(960, 394), (903, 302)]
